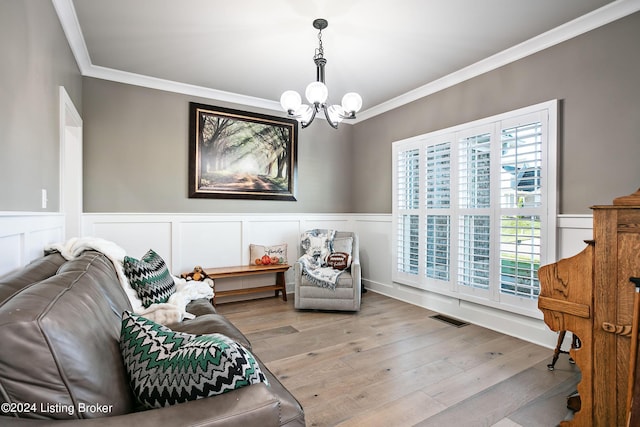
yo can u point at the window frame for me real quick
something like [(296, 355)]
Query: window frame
[(547, 114)]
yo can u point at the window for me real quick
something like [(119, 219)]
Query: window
[(474, 208)]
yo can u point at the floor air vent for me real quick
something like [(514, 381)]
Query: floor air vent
[(449, 320)]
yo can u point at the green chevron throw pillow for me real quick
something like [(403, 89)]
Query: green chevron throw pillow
[(150, 278), (167, 367)]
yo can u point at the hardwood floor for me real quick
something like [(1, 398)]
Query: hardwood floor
[(393, 365)]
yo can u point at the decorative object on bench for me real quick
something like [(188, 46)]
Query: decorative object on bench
[(167, 367), (318, 286), (197, 274), (267, 255)]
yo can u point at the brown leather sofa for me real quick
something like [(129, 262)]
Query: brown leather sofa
[(60, 357)]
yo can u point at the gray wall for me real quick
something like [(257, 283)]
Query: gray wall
[(596, 76), (136, 139), (136, 150), (36, 60)]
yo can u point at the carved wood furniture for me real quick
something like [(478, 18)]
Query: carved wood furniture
[(591, 296)]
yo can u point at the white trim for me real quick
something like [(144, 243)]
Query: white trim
[(579, 221), (597, 18), (181, 88), (70, 186), (71, 27)]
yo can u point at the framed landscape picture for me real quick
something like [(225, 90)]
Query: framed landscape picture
[(241, 155)]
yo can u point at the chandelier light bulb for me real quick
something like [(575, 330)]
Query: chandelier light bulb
[(290, 100), (351, 102), (304, 113), (335, 113), (317, 93)]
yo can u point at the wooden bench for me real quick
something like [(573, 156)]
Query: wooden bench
[(249, 270)]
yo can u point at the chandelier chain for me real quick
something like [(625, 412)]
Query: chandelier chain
[(320, 49)]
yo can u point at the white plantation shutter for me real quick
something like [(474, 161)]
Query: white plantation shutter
[(438, 246), (438, 175), (438, 203), (521, 208), (408, 244), (407, 192), (474, 230), (473, 251), (475, 172), (474, 208)]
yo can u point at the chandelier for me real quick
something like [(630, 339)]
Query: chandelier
[(317, 94)]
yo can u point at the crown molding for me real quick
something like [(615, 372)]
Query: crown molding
[(181, 88), (71, 27), (597, 18)]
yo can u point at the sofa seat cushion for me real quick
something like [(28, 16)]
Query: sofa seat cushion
[(345, 281), (211, 324), (200, 307), (167, 367)]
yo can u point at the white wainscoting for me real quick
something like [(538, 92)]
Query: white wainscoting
[(23, 236), (211, 240), (216, 240)]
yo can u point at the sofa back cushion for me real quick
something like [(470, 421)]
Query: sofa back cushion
[(60, 343), (36, 271)]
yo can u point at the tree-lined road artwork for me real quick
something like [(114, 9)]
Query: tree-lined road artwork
[(242, 156)]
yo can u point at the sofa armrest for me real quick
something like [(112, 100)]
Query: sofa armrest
[(253, 406)]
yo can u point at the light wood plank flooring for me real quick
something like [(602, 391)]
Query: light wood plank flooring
[(393, 365)]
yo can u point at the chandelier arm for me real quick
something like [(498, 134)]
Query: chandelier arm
[(326, 114), (313, 116)]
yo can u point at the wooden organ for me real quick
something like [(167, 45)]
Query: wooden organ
[(591, 295)]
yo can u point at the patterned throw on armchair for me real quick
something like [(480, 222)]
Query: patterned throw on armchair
[(327, 275)]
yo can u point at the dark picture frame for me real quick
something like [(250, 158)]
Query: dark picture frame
[(237, 154)]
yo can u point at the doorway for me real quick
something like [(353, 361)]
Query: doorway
[(70, 166)]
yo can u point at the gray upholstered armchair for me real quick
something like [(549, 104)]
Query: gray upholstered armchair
[(347, 292)]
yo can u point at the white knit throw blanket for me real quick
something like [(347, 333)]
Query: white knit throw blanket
[(174, 310), (324, 277)]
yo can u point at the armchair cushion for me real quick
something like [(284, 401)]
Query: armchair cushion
[(345, 245), (342, 244), (339, 260)]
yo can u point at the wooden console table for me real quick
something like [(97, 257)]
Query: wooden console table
[(249, 270)]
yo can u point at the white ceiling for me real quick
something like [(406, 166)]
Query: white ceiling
[(250, 51)]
